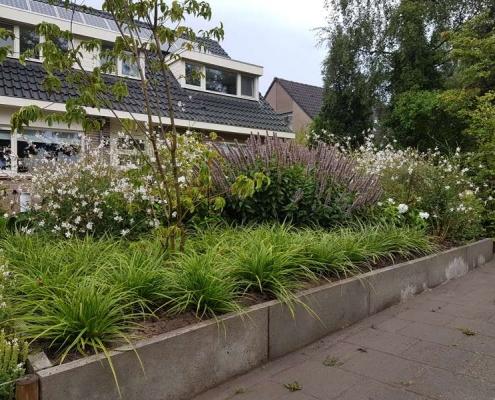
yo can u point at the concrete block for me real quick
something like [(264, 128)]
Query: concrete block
[(38, 361), (479, 253), (177, 365), (450, 264), (398, 283), (323, 310)]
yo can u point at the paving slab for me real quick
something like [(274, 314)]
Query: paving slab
[(437, 345)]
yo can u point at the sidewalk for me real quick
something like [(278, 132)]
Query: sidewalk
[(438, 345)]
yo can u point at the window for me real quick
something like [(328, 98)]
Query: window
[(33, 146), (7, 41), (106, 57), (130, 67), (193, 74), (218, 80), (128, 150), (61, 43), (247, 85), (28, 39), (5, 150)]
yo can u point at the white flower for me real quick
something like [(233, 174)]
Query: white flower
[(89, 225), (181, 179), (424, 215), (391, 201), (402, 208), (124, 232)]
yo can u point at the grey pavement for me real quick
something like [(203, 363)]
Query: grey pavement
[(438, 345)]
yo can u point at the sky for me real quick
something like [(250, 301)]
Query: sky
[(280, 35)]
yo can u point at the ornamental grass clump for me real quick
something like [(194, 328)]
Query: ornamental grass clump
[(270, 261), (269, 179), (200, 283), (84, 316), (13, 355), (141, 275), (348, 251)]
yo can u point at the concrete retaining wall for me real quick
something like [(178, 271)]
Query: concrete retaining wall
[(180, 364)]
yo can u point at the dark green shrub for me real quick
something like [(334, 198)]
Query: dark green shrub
[(288, 182)]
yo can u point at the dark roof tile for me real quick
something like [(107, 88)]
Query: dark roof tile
[(26, 81), (308, 97)]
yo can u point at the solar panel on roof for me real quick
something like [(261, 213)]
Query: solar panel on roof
[(68, 14), (43, 8), (95, 21), (113, 26), (22, 4)]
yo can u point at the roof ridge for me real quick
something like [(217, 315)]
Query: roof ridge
[(298, 83)]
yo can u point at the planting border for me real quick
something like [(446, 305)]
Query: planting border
[(185, 362)]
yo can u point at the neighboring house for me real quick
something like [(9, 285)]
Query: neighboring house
[(298, 102), (224, 100)]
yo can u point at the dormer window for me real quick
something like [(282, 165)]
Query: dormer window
[(62, 44), (129, 67), (28, 39), (220, 80), (126, 66), (193, 74), (8, 42), (105, 57), (247, 85), (226, 76)]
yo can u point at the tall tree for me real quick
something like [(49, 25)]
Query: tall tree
[(395, 55), (347, 110)]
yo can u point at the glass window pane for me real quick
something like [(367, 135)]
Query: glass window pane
[(28, 39), (5, 150), (247, 86), (61, 43), (106, 58), (193, 74), (34, 146), (130, 68), (8, 41), (221, 81)]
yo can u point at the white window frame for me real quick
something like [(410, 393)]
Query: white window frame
[(140, 65), (202, 87), (17, 43), (202, 82)]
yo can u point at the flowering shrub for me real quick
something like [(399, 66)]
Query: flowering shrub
[(13, 355), (287, 181), (425, 187), (92, 195)]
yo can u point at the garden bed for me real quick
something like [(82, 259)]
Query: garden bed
[(186, 361)]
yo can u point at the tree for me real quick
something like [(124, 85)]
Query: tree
[(348, 99), (395, 54), (148, 29), (473, 49)]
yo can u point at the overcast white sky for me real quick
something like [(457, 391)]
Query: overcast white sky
[(277, 34)]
